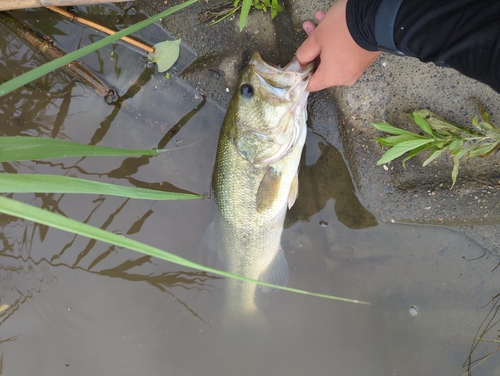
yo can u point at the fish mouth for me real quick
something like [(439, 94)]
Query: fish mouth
[(283, 85), (281, 78)]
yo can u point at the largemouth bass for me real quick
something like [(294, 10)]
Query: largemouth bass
[(255, 176)]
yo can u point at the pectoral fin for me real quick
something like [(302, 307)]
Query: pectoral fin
[(276, 272), (268, 189), (208, 238), (294, 190)]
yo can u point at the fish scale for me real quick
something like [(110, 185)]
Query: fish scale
[(255, 175)]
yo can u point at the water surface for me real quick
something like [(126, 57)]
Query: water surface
[(81, 307)]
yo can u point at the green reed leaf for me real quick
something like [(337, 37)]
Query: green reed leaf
[(23, 148), (32, 213), (36, 73), (39, 183), (245, 9)]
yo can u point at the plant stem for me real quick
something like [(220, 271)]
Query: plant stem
[(51, 51), (104, 29), (23, 4)]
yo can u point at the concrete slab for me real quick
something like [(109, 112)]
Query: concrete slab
[(342, 116)]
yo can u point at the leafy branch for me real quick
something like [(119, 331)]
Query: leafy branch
[(439, 136)]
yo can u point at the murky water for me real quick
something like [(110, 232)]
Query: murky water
[(70, 305)]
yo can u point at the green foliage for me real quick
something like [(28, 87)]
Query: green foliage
[(32, 213), (165, 54), (27, 148), (33, 148), (257, 4), (23, 148), (42, 70), (40, 183), (217, 14), (440, 136)]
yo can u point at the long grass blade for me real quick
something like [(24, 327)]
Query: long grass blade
[(245, 9), (23, 183), (36, 73), (23, 148), (32, 213)]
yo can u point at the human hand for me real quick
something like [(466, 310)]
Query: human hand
[(339, 59)]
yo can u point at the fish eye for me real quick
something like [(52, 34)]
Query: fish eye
[(247, 90)]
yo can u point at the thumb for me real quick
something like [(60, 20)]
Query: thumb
[(308, 51), (316, 83)]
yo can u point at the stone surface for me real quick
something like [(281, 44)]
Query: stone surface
[(342, 116)]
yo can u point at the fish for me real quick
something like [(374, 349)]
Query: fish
[(255, 178)]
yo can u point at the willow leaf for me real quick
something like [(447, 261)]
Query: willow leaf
[(434, 154), (415, 151), (387, 128), (420, 121), (400, 149), (394, 140), (32, 213), (483, 149), (455, 146), (456, 163), (439, 124), (23, 183)]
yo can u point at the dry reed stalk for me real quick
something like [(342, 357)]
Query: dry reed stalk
[(104, 29), (23, 4)]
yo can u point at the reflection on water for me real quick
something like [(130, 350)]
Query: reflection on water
[(325, 177), (84, 307)]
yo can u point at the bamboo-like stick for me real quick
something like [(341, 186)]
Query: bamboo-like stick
[(104, 29), (45, 47), (23, 4)]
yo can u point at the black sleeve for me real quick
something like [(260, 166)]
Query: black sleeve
[(462, 34)]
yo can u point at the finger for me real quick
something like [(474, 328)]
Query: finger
[(308, 27), (316, 83), (308, 51), (320, 14)]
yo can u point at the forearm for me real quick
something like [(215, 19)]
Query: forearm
[(463, 34)]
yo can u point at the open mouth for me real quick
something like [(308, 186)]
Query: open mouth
[(293, 66), (291, 76)]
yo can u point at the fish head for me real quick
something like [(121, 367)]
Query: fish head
[(268, 109)]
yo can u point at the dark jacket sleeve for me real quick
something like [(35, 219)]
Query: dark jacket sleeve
[(462, 34)]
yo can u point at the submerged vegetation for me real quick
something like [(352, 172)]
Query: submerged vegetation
[(439, 136), (487, 335)]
